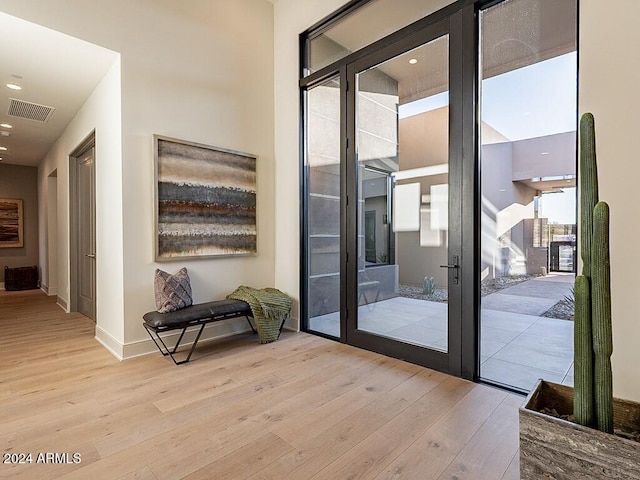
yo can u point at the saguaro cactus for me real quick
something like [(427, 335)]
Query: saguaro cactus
[(601, 319), (583, 354), (588, 188), (593, 344)]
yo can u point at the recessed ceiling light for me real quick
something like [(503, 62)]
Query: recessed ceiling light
[(4, 134), (13, 86), (413, 61), (544, 153), (6, 125), (4, 149)]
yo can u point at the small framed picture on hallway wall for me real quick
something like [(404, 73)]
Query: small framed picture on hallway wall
[(11, 223), (205, 200)]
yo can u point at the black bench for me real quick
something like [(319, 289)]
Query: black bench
[(195, 315)]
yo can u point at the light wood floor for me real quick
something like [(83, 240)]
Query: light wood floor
[(302, 407)]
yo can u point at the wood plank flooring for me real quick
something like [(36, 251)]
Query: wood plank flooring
[(300, 408)]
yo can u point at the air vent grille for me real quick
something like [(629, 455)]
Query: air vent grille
[(30, 111)]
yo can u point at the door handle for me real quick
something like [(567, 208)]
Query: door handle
[(90, 255), (456, 267)]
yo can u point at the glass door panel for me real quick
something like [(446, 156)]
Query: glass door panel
[(528, 190), (404, 267), (323, 198)]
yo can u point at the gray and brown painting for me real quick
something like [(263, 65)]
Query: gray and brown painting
[(206, 201), (9, 221)]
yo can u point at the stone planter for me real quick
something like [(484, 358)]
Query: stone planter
[(552, 448)]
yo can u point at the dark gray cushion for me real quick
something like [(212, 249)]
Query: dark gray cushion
[(200, 311), (172, 292)]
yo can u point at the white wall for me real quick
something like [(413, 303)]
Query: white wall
[(101, 112), (608, 87), (291, 17), (209, 81), (196, 70)]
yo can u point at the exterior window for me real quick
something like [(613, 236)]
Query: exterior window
[(374, 20), (528, 190), (324, 180), (439, 202)]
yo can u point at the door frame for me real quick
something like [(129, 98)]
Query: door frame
[(459, 19), (458, 338), (88, 143)]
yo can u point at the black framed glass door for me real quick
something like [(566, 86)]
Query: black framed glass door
[(390, 177), (403, 261)]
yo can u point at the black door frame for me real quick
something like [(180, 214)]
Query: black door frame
[(459, 20), (395, 348)]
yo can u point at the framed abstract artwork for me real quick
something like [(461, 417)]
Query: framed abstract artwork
[(11, 223), (205, 201)]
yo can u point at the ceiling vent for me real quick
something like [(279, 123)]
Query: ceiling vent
[(30, 111)]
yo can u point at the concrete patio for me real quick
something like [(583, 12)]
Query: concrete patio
[(518, 346)]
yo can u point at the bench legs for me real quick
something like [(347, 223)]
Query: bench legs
[(165, 350), (252, 327), (363, 293)]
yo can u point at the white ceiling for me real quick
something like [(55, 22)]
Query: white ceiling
[(55, 70)]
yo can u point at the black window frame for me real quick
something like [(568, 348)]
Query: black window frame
[(469, 66), (464, 13)]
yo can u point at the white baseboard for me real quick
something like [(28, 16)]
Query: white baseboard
[(145, 346), (62, 303), (292, 324), (48, 291), (109, 342)]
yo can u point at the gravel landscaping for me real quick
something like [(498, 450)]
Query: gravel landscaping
[(414, 291), (562, 310), (487, 287)]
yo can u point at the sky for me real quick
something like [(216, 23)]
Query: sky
[(559, 207), (529, 102), (533, 101)]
